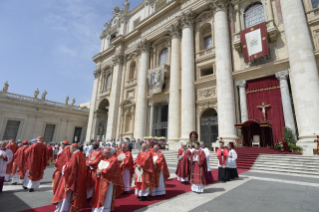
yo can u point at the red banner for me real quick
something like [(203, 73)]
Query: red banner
[(254, 42)]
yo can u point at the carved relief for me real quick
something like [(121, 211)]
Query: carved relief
[(206, 93), (174, 31), (130, 94), (218, 5), (143, 46), (118, 60), (97, 73), (204, 106), (186, 19)]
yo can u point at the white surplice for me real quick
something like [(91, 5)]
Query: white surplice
[(16, 178), (64, 205), (207, 154), (160, 190), (127, 179), (29, 183), (108, 200), (231, 159), (142, 193), (3, 164)]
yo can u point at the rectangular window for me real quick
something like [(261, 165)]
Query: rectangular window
[(208, 42), (207, 71), (48, 132), (315, 3), (11, 131), (136, 22)]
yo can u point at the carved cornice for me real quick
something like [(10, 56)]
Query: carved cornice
[(97, 73), (187, 19), (118, 60), (174, 31), (241, 84), (282, 75), (143, 46), (218, 5)]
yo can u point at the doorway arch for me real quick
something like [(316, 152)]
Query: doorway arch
[(209, 127)]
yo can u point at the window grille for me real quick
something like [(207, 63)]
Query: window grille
[(254, 15), (11, 130), (163, 57), (48, 132), (315, 3)]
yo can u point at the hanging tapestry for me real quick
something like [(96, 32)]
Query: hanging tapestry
[(156, 80)]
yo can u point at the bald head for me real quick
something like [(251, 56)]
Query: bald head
[(156, 148), (3, 144), (107, 153), (144, 146)]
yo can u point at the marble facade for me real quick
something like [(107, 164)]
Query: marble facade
[(202, 76)]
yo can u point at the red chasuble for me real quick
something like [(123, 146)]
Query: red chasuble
[(37, 160), (198, 168), (222, 158), (161, 165), (13, 147), (63, 158), (20, 162), (145, 159), (183, 167), (127, 163), (93, 160), (50, 150), (112, 174), (73, 179)]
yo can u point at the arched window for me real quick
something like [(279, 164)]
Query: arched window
[(132, 70), (108, 82), (254, 15), (315, 3), (163, 57)]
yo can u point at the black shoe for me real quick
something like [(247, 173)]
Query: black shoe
[(124, 193), (89, 199), (13, 183), (138, 197), (143, 199), (31, 190), (25, 188)]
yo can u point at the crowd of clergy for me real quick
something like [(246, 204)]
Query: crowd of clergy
[(99, 175)]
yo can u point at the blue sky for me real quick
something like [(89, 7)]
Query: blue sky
[(49, 45)]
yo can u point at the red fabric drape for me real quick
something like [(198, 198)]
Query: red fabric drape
[(270, 95)]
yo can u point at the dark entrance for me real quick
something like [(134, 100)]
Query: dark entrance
[(209, 127), (161, 119), (77, 135)]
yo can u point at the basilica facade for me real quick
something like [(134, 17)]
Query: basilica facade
[(234, 69)]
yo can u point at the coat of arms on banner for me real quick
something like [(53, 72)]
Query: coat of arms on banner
[(156, 80)]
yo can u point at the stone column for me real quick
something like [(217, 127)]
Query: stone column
[(188, 89), (303, 73), (150, 131), (141, 102), (224, 80), (174, 92), (92, 106), (236, 7), (243, 100), (114, 97)]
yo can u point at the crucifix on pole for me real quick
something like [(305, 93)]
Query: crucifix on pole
[(263, 110)]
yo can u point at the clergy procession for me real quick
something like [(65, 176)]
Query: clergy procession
[(107, 172)]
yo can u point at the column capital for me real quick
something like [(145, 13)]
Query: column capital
[(97, 73), (241, 84), (143, 46), (236, 7), (282, 75), (118, 60), (187, 19), (174, 31), (151, 104), (218, 5)]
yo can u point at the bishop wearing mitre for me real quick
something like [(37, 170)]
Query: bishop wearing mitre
[(91, 166), (6, 157), (37, 158), (63, 158), (126, 165), (222, 154), (19, 165), (144, 171), (161, 172), (71, 191), (183, 166), (13, 147), (198, 169), (109, 184)]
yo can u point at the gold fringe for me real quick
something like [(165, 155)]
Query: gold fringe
[(263, 89)]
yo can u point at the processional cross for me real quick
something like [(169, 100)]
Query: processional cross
[(263, 110)]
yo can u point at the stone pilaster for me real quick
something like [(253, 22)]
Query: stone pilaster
[(150, 131), (243, 100), (303, 73), (141, 103)]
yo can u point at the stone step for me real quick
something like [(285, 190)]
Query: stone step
[(315, 157), (287, 171), (284, 163), (289, 166)]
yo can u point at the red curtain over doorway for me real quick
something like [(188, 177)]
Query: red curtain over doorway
[(266, 90)]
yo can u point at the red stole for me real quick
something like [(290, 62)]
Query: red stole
[(37, 160), (13, 147), (161, 165), (63, 158), (20, 162), (127, 163), (183, 167), (145, 159), (198, 168), (112, 174), (93, 160), (73, 179), (220, 157)]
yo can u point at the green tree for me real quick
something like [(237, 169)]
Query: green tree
[(289, 136)]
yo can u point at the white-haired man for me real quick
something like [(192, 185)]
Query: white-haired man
[(6, 157)]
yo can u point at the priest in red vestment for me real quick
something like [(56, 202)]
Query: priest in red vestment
[(37, 158), (144, 174), (71, 191), (161, 172), (198, 169), (222, 154), (126, 166), (19, 165), (50, 150), (183, 167), (91, 166), (63, 158), (149, 146), (109, 184), (13, 147)]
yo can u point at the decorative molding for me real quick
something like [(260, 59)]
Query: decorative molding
[(187, 19), (205, 16), (282, 75), (174, 31), (206, 93), (203, 106), (241, 84), (218, 5), (118, 60), (143, 46), (97, 73)]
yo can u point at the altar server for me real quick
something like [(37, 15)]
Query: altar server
[(222, 154), (108, 185), (91, 164), (231, 163), (209, 174), (71, 191), (145, 183), (6, 157), (19, 165), (183, 167), (126, 166), (161, 172), (13, 147), (198, 169), (37, 158)]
